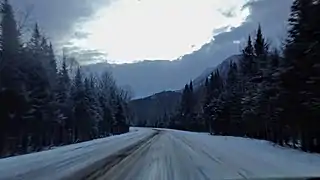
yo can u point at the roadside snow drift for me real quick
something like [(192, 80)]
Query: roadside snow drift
[(248, 158), (67, 160)]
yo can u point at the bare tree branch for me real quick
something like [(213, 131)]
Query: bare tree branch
[(22, 23)]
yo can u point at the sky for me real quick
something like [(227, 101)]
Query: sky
[(132, 30), (200, 33), (125, 31)]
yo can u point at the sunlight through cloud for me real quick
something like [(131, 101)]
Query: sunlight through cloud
[(131, 30)]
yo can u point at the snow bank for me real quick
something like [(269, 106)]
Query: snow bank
[(66, 160), (254, 158)]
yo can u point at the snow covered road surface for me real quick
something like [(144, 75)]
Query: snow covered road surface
[(163, 155), (177, 155), (68, 162)]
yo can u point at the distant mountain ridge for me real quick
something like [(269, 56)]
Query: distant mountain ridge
[(223, 69), (148, 110), (149, 77)]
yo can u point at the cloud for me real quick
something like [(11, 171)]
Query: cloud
[(147, 78), (131, 30), (64, 21), (228, 13), (85, 56), (81, 35), (221, 30), (57, 18)]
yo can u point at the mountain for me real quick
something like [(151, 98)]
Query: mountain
[(222, 67), (149, 110), (149, 77)]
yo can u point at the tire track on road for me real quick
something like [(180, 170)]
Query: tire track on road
[(108, 167)]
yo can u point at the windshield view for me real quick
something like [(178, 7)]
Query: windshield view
[(159, 89)]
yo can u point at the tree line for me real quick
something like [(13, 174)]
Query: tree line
[(43, 104), (269, 93)]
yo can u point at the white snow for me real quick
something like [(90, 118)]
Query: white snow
[(172, 155), (65, 161), (252, 158), (178, 155)]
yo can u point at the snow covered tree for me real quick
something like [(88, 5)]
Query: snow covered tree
[(214, 108), (81, 115), (232, 101), (247, 62), (41, 106), (10, 73), (299, 73)]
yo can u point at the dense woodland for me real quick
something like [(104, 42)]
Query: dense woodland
[(153, 111), (271, 94), (43, 104)]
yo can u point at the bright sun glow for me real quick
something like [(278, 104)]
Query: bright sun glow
[(131, 30)]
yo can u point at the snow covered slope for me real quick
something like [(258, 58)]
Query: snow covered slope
[(67, 160), (223, 69), (178, 155), (248, 157)]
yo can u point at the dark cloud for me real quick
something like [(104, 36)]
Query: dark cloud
[(147, 78), (80, 35), (228, 13), (57, 17), (85, 56)]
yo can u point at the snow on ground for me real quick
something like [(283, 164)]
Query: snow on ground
[(66, 160), (253, 158), (178, 155), (171, 155)]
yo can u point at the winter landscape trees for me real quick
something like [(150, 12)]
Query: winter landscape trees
[(43, 104), (268, 94)]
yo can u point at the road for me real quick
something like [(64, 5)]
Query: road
[(161, 154), (71, 161), (176, 155)]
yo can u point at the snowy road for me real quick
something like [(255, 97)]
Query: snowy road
[(69, 162), (168, 155), (176, 155)]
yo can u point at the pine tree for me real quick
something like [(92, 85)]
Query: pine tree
[(261, 52), (10, 41), (206, 105), (63, 83), (184, 111), (233, 101), (81, 115), (36, 41), (106, 96), (10, 82), (215, 108), (247, 63), (49, 62), (64, 104), (119, 125), (300, 73), (46, 107), (10, 63), (40, 93), (93, 107), (248, 66), (260, 46)]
